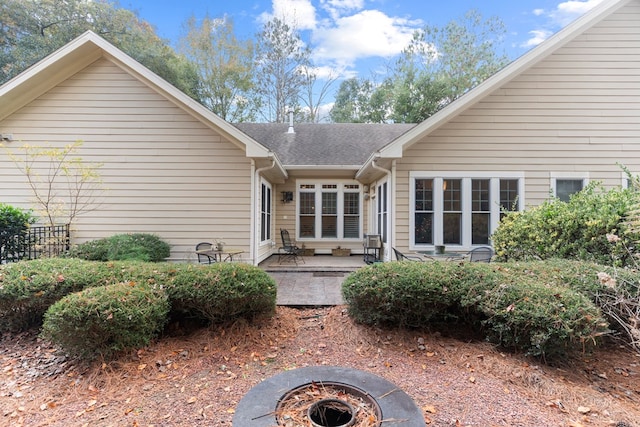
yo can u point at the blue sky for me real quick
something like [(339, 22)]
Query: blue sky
[(356, 37), (352, 30)]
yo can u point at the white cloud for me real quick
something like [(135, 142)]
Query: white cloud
[(537, 37), (568, 11), (337, 8), (300, 14), (367, 33), (565, 13)]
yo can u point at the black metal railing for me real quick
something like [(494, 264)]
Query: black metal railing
[(34, 242)]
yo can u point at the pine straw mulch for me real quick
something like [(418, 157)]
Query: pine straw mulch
[(197, 377)]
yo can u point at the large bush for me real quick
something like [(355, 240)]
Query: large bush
[(123, 247), (407, 293), (14, 224), (572, 230), (217, 292), (528, 307), (105, 320), (221, 291), (28, 288)]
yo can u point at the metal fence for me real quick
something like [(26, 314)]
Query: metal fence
[(34, 242)]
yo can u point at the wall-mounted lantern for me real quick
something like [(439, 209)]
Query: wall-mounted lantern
[(287, 196)]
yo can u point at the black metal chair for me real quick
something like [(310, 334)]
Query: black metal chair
[(481, 254), (202, 257), (402, 257), (289, 250)]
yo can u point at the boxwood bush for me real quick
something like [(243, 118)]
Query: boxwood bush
[(121, 247), (221, 291), (28, 288), (212, 293), (105, 320), (539, 308)]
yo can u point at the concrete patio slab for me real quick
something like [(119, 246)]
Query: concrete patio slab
[(316, 282)]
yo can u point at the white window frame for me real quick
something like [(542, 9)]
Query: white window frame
[(382, 218), (340, 190), (577, 176), (265, 185), (438, 203)]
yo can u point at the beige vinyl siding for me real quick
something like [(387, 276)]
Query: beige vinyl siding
[(165, 172), (576, 111)]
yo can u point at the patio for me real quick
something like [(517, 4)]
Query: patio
[(316, 282)]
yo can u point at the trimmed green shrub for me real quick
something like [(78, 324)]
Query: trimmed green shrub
[(404, 293), (571, 230), (14, 223), (213, 293), (105, 320), (527, 307), (221, 291), (540, 319), (28, 288), (123, 247)]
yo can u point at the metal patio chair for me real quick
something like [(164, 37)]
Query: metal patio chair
[(202, 257), (481, 254), (289, 250), (402, 257)]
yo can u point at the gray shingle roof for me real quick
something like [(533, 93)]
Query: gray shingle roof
[(324, 144)]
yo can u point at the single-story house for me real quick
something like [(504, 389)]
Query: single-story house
[(563, 114)]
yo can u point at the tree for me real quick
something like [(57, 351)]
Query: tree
[(359, 100), (311, 98), (31, 30), (438, 66), (63, 186), (281, 60), (225, 67), (453, 59)]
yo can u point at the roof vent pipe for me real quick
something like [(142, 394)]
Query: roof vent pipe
[(291, 122)]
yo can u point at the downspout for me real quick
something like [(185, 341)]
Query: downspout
[(391, 196), (255, 190)]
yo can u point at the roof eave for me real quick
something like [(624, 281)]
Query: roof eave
[(88, 48), (396, 148)]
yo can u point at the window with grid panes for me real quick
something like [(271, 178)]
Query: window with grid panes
[(423, 211), (339, 216), (265, 213), (307, 211), (452, 211)]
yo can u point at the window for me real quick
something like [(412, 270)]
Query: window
[(452, 211), (329, 211), (339, 216), (307, 208), (423, 211), (382, 211), (480, 212), (265, 212), (508, 196), (351, 215), (460, 211), (567, 187)]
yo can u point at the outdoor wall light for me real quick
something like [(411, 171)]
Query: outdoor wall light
[(287, 196), (6, 137)]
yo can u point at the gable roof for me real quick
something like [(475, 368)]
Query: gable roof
[(326, 144), (88, 48), (395, 149)]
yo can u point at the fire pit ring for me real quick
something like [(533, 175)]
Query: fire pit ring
[(259, 406)]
